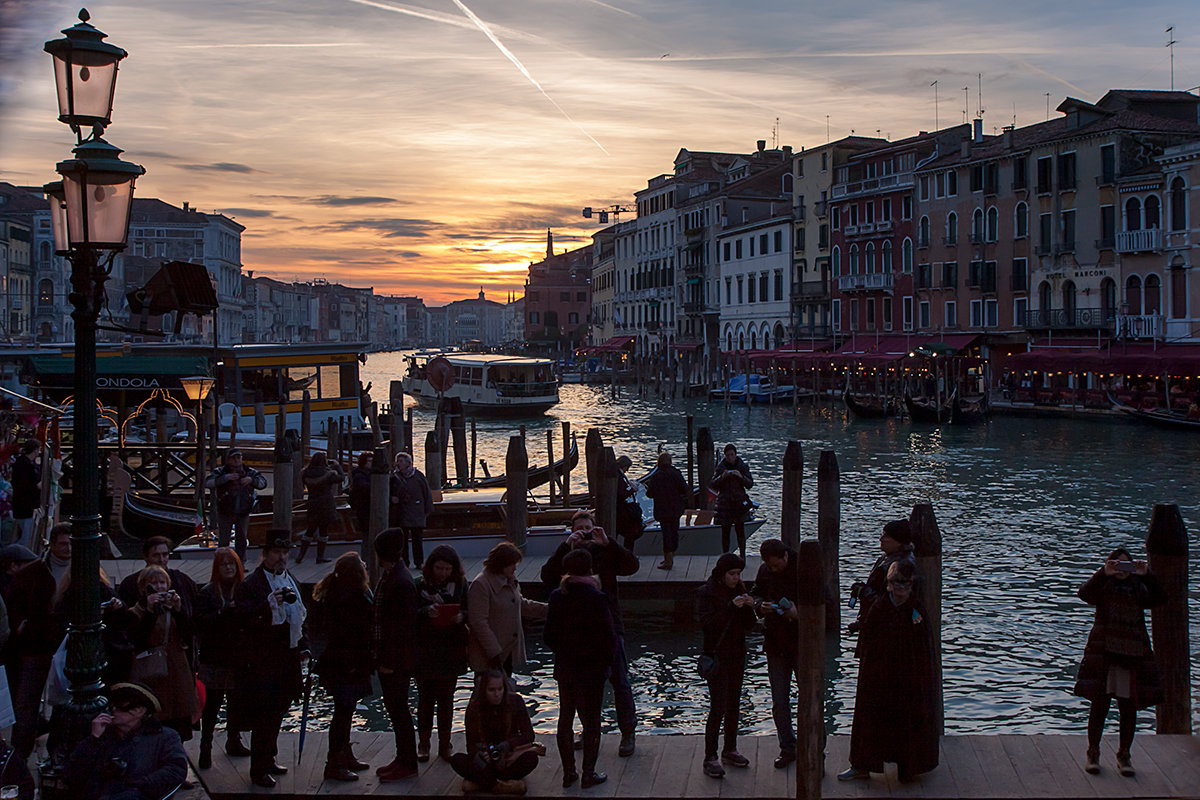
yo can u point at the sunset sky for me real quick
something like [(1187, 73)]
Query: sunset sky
[(426, 146)]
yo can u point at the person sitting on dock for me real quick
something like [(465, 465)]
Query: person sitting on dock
[(895, 703), (129, 754), (156, 552), (896, 543), (731, 478), (323, 480), (500, 746), (609, 560), (411, 502), (235, 487), (580, 632)]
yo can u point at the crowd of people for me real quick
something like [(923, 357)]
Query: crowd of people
[(245, 637)]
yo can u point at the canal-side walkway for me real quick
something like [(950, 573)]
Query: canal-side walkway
[(667, 767)]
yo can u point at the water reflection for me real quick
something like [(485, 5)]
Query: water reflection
[(1026, 507)]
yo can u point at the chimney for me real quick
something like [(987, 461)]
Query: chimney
[(787, 151), (185, 206), (977, 130), (762, 145), (549, 243), (1007, 137)]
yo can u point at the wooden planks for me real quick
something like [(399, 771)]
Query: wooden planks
[(1039, 767)]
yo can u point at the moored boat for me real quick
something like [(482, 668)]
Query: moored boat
[(486, 383), (923, 409), (1160, 418), (872, 407)]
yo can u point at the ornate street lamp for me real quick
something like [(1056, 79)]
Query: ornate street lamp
[(90, 211), (197, 388)]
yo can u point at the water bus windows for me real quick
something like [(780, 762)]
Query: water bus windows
[(273, 384), (469, 376)]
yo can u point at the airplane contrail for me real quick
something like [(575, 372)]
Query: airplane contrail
[(434, 16), (482, 26), (613, 8)]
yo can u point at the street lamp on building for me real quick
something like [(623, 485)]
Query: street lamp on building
[(90, 211)]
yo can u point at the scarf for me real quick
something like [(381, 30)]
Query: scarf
[(58, 567), (290, 614)]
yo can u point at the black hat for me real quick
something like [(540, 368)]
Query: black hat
[(135, 695), (389, 545), (899, 530), (726, 562), (16, 553), (278, 539)]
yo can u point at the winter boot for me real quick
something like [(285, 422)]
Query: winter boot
[(335, 769), (321, 559), (303, 550), (205, 760)]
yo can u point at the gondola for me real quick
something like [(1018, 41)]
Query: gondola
[(538, 476), (966, 412), (921, 409), (1162, 419), (874, 408)]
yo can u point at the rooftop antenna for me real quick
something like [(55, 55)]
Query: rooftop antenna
[(827, 140), (936, 126), (1014, 114), (1171, 47), (775, 135), (981, 109), (966, 102), (1047, 105)]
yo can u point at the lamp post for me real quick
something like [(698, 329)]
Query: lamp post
[(90, 210), (197, 388)]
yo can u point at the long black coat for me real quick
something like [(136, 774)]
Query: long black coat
[(608, 562), (1118, 635), (218, 630), (395, 629), (724, 624), (895, 711), (669, 490), (344, 618), (322, 484), (732, 499), (579, 629), (271, 678), (411, 500), (441, 649)]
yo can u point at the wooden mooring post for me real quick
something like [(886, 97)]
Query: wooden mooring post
[(593, 445), (927, 546), (434, 460), (706, 463), (691, 454), (793, 483), (829, 527), (306, 425), (458, 436), (1167, 554), (281, 511), (396, 418), (380, 512), (605, 495), (516, 477), (566, 470), (810, 672), (550, 460)]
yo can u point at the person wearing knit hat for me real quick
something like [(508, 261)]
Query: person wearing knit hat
[(896, 543), (726, 613), (129, 753)]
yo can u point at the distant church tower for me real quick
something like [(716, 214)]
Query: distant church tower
[(549, 243), (480, 292)]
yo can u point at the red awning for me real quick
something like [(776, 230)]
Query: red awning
[(802, 354), (613, 344), (1119, 359), (689, 347)]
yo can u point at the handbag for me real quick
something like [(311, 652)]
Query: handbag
[(707, 666), (151, 664)]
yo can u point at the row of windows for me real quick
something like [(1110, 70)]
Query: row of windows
[(535, 295), (757, 288), (868, 264), (734, 250)]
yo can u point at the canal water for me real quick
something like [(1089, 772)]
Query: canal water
[(1028, 508)]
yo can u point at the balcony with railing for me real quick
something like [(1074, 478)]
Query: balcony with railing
[(1148, 240), (1139, 326), (866, 283), (1068, 318), (821, 208), (886, 183), (810, 290)]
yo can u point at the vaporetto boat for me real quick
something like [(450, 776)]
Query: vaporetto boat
[(486, 383)]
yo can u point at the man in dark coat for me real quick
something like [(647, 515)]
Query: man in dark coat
[(412, 501), (775, 588), (670, 493), (323, 480), (35, 633), (156, 551), (580, 632), (896, 543), (730, 480), (895, 705), (26, 492), (609, 560), (129, 754), (394, 640), (235, 488), (274, 648)]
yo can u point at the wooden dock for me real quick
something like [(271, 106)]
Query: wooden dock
[(649, 581), (667, 767)]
